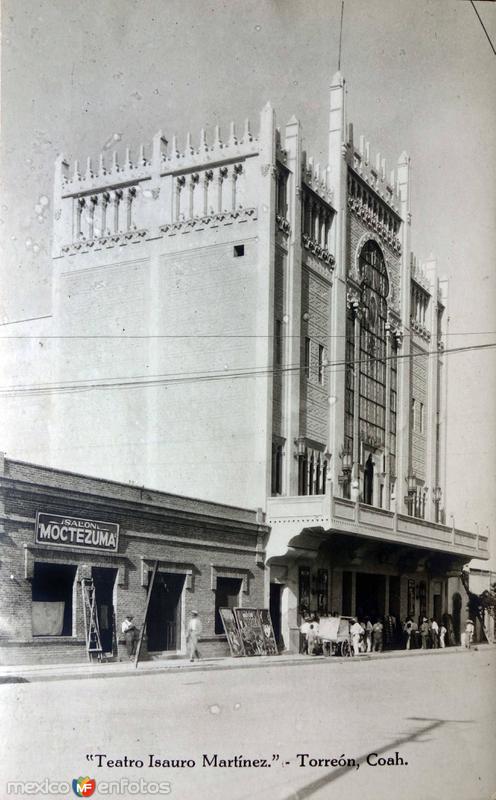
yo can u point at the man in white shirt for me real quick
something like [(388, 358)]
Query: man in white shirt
[(194, 632), (469, 632), (356, 631), (434, 634), (304, 629), (131, 635)]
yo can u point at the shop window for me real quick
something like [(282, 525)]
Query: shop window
[(226, 596), (52, 590)]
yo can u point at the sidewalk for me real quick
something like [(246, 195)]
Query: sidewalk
[(33, 673)]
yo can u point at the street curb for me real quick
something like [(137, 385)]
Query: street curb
[(26, 676)]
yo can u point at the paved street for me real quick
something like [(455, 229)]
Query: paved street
[(437, 713)]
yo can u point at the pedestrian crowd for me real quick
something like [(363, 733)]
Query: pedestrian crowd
[(368, 635)]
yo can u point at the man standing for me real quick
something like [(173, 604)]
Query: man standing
[(407, 629), (194, 632), (434, 634), (442, 635), (424, 632), (304, 629), (469, 633), (368, 635), (356, 631), (131, 635), (377, 632)]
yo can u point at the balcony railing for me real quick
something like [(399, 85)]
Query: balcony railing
[(289, 516)]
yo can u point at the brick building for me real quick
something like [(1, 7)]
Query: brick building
[(208, 556), (261, 335)]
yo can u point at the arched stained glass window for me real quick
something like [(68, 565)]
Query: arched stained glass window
[(375, 287)]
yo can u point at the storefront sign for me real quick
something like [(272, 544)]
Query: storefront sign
[(92, 534)]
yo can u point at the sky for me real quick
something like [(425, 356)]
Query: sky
[(420, 78)]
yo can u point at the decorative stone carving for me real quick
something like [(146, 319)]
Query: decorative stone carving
[(371, 218), (209, 220), (108, 240), (321, 252), (353, 300), (283, 224), (420, 329)]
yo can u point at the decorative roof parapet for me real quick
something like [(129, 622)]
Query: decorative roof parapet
[(375, 176), (281, 154), (165, 159), (418, 273), (234, 148), (316, 179)]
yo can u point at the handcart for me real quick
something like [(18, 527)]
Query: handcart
[(334, 633)]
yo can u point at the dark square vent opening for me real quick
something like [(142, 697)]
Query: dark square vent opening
[(239, 250)]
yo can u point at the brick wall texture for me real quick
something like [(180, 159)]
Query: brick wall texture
[(195, 540)]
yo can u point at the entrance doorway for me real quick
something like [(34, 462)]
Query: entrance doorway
[(457, 610), (395, 596), (370, 595), (437, 607), (163, 626), (275, 612), (346, 605), (104, 582)]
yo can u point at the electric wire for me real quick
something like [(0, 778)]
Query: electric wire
[(174, 379)]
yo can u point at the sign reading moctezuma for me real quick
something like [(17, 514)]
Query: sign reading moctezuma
[(93, 534)]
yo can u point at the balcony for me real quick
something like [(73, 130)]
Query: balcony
[(319, 516)]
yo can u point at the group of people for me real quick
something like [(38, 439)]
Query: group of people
[(429, 634), (131, 634), (309, 635), (368, 635)]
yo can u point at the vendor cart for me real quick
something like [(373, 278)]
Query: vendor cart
[(334, 633)]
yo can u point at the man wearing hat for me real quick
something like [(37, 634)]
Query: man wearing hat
[(193, 634), (131, 635)]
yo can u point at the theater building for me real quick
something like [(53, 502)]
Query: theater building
[(261, 335), (60, 528)]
